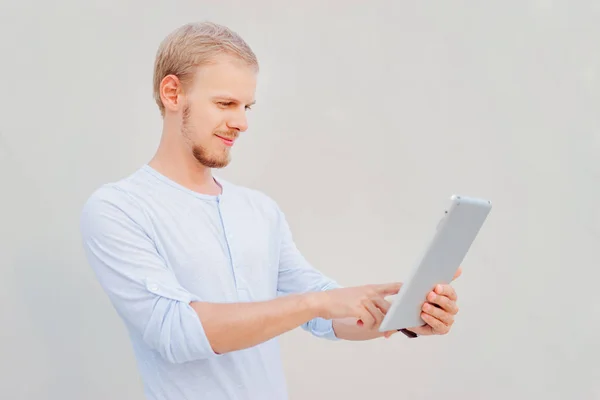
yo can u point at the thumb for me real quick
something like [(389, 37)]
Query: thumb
[(458, 273), (387, 334)]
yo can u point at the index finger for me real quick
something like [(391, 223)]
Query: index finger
[(389, 288)]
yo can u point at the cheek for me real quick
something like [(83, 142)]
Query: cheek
[(206, 122)]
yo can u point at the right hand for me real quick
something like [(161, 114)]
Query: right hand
[(365, 303)]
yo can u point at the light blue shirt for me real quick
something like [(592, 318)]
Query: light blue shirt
[(155, 246)]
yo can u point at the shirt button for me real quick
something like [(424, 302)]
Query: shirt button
[(154, 288)]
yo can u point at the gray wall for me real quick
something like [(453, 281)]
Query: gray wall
[(368, 118)]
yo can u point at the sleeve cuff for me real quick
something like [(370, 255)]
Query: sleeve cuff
[(320, 327), (174, 329)]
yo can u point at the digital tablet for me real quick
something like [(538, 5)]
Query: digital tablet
[(453, 238)]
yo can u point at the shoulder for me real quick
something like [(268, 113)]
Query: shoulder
[(110, 206)]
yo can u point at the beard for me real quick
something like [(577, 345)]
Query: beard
[(217, 158)]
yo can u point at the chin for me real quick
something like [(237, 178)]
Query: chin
[(219, 160), (219, 164), (214, 162)]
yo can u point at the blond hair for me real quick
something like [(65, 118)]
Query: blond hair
[(193, 45)]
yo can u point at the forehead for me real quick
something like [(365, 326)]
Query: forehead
[(228, 76)]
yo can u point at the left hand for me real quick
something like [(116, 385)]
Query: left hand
[(438, 311)]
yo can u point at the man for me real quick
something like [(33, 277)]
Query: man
[(204, 273)]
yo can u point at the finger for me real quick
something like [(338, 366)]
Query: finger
[(365, 318), (423, 330), (444, 302), (382, 304), (438, 313), (437, 326), (446, 290), (458, 273), (387, 334), (388, 289), (375, 313)]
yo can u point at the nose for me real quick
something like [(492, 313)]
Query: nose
[(239, 122)]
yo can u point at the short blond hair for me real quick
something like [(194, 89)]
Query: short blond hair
[(193, 45)]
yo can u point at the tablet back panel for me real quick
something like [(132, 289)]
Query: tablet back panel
[(455, 233)]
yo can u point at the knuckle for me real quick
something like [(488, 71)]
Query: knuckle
[(447, 303)]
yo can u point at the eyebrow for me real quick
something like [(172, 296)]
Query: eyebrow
[(231, 99)]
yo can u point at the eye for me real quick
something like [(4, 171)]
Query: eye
[(224, 103)]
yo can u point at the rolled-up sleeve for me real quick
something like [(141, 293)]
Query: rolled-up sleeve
[(140, 286), (297, 275)]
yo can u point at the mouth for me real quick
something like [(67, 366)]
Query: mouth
[(227, 141)]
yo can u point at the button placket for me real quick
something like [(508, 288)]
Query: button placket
[(228, 236)]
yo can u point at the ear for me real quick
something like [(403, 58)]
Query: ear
[(170, 92)]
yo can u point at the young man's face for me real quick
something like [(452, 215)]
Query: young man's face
[(214, 109)]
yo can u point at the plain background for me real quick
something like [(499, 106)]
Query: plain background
[(369, 116)]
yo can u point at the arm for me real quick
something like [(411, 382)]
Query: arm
[(237, 326), (154, 306)]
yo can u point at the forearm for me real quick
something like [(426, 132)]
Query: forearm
[(348, 329), (236, 326)]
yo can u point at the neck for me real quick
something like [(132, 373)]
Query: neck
[(174, 159)]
